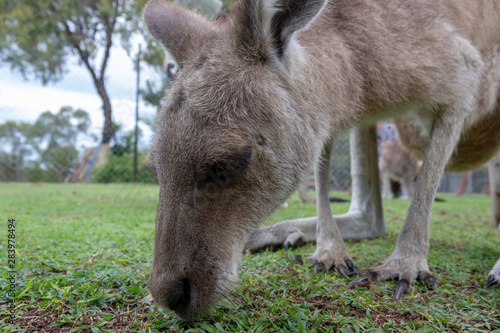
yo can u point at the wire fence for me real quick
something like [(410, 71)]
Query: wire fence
[(54, 132), (42, 141)]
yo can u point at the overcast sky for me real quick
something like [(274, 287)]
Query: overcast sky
[(25, 100)]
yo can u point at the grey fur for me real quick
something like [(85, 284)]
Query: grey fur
[(242, 126)]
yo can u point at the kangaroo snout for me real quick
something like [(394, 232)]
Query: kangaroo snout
[(174, 293), (179, 296)]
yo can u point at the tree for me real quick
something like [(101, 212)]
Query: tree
[(37, 37), (54, 139), (155, 89), (14, 150), (45, 150), (60, 129)]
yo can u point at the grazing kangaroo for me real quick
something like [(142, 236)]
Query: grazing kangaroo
[(259, 99), (398, 164)]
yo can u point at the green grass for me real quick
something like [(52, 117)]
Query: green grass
[(84, 251)]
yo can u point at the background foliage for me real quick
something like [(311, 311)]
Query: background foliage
[(43, 151), (84, 254)]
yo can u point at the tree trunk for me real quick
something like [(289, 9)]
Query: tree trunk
[(107, 131)]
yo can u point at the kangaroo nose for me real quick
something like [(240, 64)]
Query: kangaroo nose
[(181, 298)]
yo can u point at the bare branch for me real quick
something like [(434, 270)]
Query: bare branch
[(81, 52), (110, 26)]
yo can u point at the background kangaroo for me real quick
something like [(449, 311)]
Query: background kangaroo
[(258, 100), (397, 164)]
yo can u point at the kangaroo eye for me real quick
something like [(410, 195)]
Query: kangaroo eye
[(225, 165)]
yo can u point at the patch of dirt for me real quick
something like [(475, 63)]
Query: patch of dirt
[(37, 320)]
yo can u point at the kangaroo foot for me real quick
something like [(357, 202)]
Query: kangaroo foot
[(323, 261), (404, 269), (294, 233), (494, 276), (289, 234)]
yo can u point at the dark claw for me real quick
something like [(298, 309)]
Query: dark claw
[(428, 280), (312, 261), (403, 286), (299, 259), (491, 281), (363, 278), (319, 267), (351, 266), (300, 242), (433, 285), (342, 270), (356, 273)]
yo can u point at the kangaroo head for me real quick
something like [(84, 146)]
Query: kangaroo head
[(230, 142)]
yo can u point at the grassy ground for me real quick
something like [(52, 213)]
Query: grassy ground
[(83, 255)]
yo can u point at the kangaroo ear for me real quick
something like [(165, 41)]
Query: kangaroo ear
[(266, 26), (181, 31)]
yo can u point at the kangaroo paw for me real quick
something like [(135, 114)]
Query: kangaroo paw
[(295, 239), (494, 276), (404, 270), (427, 279), (323, 263), (492, 281)]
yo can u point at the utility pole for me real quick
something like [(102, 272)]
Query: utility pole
[(138, 71)]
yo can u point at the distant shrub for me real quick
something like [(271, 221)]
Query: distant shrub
[(120, 169)]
